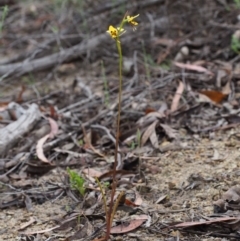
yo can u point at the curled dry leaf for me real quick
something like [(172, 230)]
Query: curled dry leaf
[(233, 194), (230, 197), (39, 147), (129, 203), (177, 96), (134, 223), (193, 67), (219, 206), (138, 201), (150, 117), (161, 198), (92, 172), (170, 132), (148, 132), (182, 54), (211, 96), (221, 73), (154, 139), (227, 88)]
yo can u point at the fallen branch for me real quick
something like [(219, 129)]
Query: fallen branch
[(10, 134), (51, 60)]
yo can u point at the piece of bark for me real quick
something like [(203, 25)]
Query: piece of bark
[(10, 134)]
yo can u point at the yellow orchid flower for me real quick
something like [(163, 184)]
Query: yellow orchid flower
[(115, 32), (131, 20), (112, 31)]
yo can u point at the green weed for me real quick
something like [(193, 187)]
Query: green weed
[(138, 138), (29, 79), (55, 29), (235, 45), (81, 142), (137, 142), (4, 11), (237, 3), (133, 145), (166, 65), (76, 181)]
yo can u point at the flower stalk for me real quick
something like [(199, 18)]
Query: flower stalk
[(116, 33)]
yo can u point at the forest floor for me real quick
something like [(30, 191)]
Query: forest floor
[(178, 159)]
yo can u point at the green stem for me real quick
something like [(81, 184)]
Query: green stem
[(114, 184), (112, 208), (103, 196), (4, 14), (119, 103)]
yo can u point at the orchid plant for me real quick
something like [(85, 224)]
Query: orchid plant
[(116, 33)]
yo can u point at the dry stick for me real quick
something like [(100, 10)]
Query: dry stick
[(30, 55), (52, 60), (10, 134), (65, 55)]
